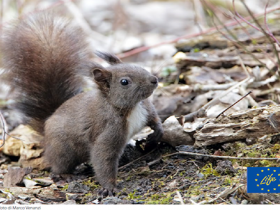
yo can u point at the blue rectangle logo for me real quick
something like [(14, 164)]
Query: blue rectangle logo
[(263, 180)]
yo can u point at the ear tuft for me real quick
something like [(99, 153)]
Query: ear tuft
[(110, 58), (102, 77), (97, 73)]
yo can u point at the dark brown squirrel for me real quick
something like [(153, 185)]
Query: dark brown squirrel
[(46, 58)]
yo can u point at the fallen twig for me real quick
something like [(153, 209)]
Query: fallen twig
[(223, 194), (269, 91), (124, 166), (180, 197), (201, 112), (252, 101), (234, 104), (218, 157), (4, 129), (235, 42), (145, 48), (259, 28), (267, 35)]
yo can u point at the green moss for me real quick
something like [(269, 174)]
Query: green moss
[(227, 181), (91, 184), (166, 71), (254, 41), (128, 178), (208, 170), (88, 195), (132, 196), (159, 199), (196, 50), (65, 187), (275, 148), (182, 173), (252, 154), (270, 20)]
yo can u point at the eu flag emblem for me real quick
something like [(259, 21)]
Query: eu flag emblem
[(263, 180)]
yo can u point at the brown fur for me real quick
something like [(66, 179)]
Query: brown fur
[(44, 59)]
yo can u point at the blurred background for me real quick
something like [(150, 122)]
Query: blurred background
[(186, 42), (118, 26), (199, 50)]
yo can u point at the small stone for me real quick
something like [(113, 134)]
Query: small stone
[(15, 175), (24, 190), (244, 202), (96, 201), (21, 202), (69, 202), (23, 197), (29, 183), (2, 200), (233, 200), (111, 200), (76, 187), (200, 175), (72, 196), (46, 181), (172, 184)]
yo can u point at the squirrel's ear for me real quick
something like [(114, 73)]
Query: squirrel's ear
[(102, 77), (110, 58)]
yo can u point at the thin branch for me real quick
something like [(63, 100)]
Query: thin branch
[(267, 35), (266, 25), (237, 43), (234, 17), (223, 194), (188, 36), (234, 104), (180, 197), (4, 129), (218, 157), (253, 17), (130, 163), (252, 102), (190, 117)]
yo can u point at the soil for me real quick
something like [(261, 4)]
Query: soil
[(161, 176), (191, 73)]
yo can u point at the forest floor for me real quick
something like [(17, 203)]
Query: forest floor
[(199, 71)]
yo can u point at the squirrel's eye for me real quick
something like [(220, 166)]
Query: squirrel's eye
[(124, 82)]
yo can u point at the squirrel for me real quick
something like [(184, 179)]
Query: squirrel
[(46, 58)]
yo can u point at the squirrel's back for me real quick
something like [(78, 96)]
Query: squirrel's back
[(43, 57)]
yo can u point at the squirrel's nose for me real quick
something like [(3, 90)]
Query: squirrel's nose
[(154, 80)]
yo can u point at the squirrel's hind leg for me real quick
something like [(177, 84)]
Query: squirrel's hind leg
[(61, 157)]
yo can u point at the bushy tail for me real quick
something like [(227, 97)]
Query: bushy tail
[(44, 57)]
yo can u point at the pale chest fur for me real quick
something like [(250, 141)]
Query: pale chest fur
[(136, 120)]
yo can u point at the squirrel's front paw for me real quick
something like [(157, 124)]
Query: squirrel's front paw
[(156, 135), (153, 139), (106, 192)]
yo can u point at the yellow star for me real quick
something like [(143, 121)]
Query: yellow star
[(278, 185), (258, 185), (262, 189), (258, 174), (256, 180), (261, 170), (274, 188), (268, 169), (267, 190), (274, 170)]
